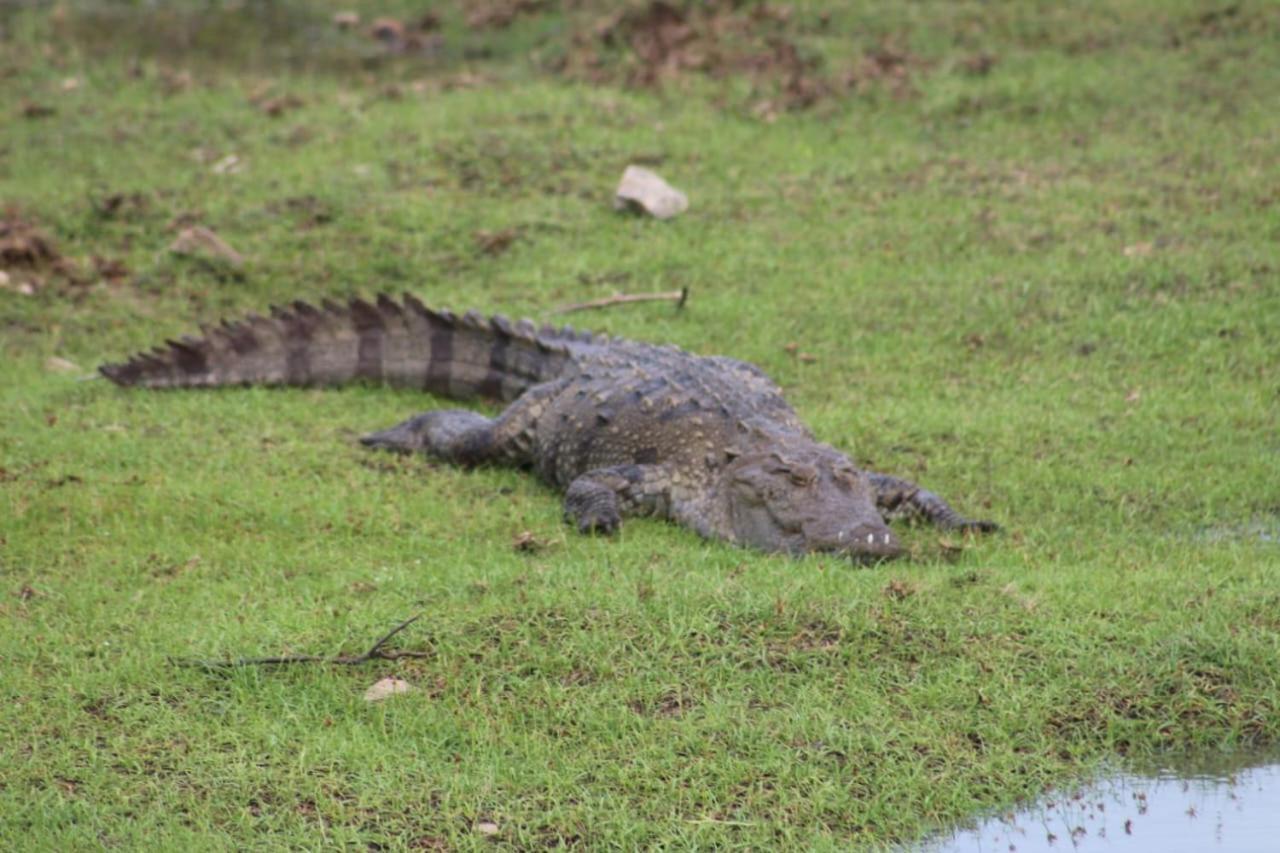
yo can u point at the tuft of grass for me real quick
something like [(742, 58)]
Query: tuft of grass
[(1046, 288)]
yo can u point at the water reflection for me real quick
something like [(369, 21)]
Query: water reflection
[(1209, 804)]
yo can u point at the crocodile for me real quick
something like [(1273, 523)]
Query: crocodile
[(623, 428)]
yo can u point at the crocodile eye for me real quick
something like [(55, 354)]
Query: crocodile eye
[(802, 476), (847, 478)]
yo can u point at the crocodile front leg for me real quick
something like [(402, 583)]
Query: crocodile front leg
[(896, 498), (597, 500)]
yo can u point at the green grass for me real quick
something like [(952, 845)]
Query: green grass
[(1049, 293)]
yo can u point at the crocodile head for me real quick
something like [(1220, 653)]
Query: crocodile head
[(811, 499)]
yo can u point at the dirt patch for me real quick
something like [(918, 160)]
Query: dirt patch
[(29, 258), (494, 243), (656, 43), (670, 704), (306, 211), (899, 590), (499, 14), (494, 165), (127, 206), (24, 246)]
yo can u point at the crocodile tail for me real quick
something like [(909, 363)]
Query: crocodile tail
[(402, 343)]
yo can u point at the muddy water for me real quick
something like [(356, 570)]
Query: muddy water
[(1227, 804)]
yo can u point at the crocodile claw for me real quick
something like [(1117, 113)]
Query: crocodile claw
[(606, 522), (977, 526)]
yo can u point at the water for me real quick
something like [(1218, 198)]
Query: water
[(1219, 804)]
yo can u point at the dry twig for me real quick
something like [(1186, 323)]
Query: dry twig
[(375, 652), (680, 297)]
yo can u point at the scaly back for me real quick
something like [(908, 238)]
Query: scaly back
[(402, 343)]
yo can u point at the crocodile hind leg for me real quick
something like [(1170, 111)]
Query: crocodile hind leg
[(897, 498), (597, 500), (455, 435), (469, 438)]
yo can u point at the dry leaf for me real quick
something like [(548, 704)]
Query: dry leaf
[(1139, 250), (200, 242), (495, 242), (979, 64), (110, 269), (643, 189), (346, 20), (525, 541), (898, 589), (228, 165), (498, 14), (23, 245), (174, 82), (386, 688), (386, 30), (57, 364), (1026, 602), (278, 106)]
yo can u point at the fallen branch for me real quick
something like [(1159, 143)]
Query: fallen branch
[(680, 297), (375, 652)]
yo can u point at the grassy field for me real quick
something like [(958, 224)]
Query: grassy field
[(1027, 254)]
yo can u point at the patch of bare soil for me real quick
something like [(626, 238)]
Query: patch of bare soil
[(657, 42), (669, 704), (417, 37), (28, 257), (499, 14)]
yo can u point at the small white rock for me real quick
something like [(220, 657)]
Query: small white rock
[(385, 688), (643, 189), (487, 827)]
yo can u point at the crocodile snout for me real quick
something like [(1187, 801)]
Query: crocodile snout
[(869, 543)]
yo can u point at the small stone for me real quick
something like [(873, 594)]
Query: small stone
[(487, 827), (644, 190), (386, 688)]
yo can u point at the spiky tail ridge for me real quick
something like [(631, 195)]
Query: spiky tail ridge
[(402, 343)]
